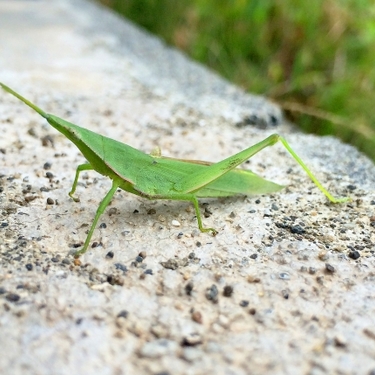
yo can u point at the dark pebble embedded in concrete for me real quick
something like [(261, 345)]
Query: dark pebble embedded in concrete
[(47, 165), (284, 276), (189, 288), (274, 207), (170, 264), (115, 280), (110, 254), (138, 259), (12, 297), (212, 293), (228, 291), (50, 201), (143, 254), (120, 267), (297, 229), (312, 270), (285, 293), (123, 314), (330, 268), (29, 266), (354, 254), (244, 303)]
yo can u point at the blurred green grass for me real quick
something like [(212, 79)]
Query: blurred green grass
[(315, 59)]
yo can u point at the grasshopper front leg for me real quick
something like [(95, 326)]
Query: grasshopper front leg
[(102, 206), (80, 168)]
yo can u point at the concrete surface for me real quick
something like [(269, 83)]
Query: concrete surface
[(277, 291)]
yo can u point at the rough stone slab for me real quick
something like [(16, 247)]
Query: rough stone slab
[(275, 292)]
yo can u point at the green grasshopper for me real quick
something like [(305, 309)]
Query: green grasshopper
[(156, 177)]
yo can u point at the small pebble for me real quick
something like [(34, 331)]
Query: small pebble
[(354, 254), (330, 268), (228, 291), (192, 340), (110, 255), (47, 166), (77, 262), (340, 341), (50, 201), (285, 293), (123, 314), (121, 267), (297, 229), (189, 288), (29, 266), (115, 280), (170, 264), (212, 293), (244, 303), (12, 297), (176, 223), (312, 270), (112, 211), (138, 259), (284, 276), (143, 254), (196, 316), (323, 255)]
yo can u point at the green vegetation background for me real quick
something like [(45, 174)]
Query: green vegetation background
[(314, 58)]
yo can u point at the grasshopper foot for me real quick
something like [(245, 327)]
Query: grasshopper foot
[(212, 230), (78, 253), (342, 200), (76, 199)]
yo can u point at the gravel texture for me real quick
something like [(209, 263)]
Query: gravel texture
[(286, 287)]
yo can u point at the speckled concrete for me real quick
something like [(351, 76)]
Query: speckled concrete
[(286, 287)]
